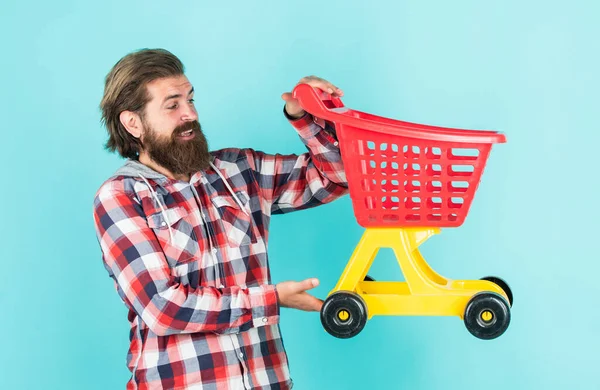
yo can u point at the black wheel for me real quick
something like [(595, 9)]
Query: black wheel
[(503, 285), (487, 315), (369, 279), (344, 314)]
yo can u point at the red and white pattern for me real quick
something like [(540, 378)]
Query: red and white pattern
[(193, 269)]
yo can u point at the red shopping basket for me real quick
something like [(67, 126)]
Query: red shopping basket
[(400, 173)]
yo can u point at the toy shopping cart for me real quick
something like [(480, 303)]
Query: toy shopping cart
[(406, 182)]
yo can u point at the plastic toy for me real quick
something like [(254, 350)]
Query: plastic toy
[(407, 181)]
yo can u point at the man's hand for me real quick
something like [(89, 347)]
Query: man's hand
[(294, 295), (292, 106)]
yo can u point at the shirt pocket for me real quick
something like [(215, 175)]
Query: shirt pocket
[(179, 243), (237, 223)]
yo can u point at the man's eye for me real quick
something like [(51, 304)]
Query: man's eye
[(174, 106), (191, 100)]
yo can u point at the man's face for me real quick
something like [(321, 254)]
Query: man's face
[(172, 136)]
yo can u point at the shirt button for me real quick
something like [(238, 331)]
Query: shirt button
[(265, 319), (214, 250), (221, 286), (241, 355), (163, 224), (336, 143)]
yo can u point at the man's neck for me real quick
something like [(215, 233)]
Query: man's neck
[(147, 161)]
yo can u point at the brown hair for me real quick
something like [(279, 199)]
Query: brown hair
[(125, 90)]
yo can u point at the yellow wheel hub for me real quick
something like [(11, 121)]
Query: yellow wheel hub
[(343, 315), (487, 316)]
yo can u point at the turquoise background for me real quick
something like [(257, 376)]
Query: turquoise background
[(526, 68)]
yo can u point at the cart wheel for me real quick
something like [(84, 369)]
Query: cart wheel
[(487, 315), (344, 314), (503, 285), (369, 279)]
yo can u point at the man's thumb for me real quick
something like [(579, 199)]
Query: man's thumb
[(308, 284)]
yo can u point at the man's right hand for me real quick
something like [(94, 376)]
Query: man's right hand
[(294, 295)]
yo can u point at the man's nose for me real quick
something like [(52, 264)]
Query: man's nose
[(189, 114)]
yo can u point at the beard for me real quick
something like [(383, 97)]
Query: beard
[(179, 156)]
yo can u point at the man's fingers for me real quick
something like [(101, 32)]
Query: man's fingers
[(324, 85), (311, 303), (294, 295), (287, 96)]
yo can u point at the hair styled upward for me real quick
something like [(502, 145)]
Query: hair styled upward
[(125, 90)]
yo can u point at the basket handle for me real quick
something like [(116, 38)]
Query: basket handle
[(317, 102), (324, 106)]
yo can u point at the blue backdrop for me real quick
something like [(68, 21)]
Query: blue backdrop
[(528, 69)]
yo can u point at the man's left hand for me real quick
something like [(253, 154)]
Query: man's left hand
[(292, 106)]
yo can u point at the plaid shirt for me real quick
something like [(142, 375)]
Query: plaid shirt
[(189, 261)]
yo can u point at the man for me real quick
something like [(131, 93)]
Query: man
[(184, 231)]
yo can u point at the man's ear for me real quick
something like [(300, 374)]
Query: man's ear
[(132, 123)]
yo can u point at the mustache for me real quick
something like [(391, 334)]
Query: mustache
[(194, 125)]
